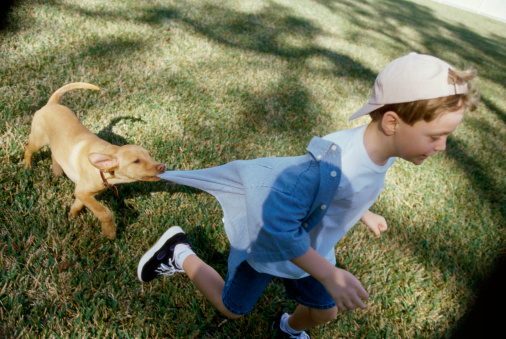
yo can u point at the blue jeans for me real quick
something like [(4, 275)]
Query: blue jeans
[(243, 289)]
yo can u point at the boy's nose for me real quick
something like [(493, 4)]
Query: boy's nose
[(441, 145)]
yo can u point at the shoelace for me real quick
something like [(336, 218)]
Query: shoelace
[(169, 269)]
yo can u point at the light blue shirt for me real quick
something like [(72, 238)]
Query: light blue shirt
[(360, 185), (270, 204)]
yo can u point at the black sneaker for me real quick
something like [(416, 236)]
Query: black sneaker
[(159, 259), (279, 333)]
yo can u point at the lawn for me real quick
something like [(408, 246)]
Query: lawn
[(202, 83)]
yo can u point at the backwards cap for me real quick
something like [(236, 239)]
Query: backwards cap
[(410, 78)]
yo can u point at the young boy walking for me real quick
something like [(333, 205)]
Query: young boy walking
[(283, 216)]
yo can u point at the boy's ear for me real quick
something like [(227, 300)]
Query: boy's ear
[(389, 122)]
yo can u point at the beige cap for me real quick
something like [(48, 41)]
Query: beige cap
[(410, 78)]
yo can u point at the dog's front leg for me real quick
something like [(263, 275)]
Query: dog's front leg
[(100, 211), (57, 170), (76, 208)]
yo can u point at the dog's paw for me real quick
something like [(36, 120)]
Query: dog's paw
[(74, 212), (76, 208), (109, 230), (27, 162), (111, 235)]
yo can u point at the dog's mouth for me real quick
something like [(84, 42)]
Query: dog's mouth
[(153, 178)]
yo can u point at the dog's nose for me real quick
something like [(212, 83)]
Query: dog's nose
[(160, 168)]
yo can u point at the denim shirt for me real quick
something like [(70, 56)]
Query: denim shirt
[(269, 204)]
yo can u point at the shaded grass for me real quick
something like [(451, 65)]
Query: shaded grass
[(201, 83)]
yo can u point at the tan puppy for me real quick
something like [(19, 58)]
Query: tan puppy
[(90, 162)]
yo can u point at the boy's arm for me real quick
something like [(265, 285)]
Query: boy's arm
[(344, 288), (374, 222)]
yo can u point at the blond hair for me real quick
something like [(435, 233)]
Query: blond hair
[(428, 110)]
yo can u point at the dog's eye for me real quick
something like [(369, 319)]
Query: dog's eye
[(137, 161)]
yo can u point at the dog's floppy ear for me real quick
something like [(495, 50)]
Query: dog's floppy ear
[(103, 162)]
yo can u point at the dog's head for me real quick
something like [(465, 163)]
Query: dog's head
[(128, 164)]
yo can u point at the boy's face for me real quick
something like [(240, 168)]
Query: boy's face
[(424, 139)]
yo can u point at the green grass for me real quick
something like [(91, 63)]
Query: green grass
[(201, 83)]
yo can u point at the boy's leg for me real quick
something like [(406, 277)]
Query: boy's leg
[(172, 253), (316, 306), (208, 282), (304, 317), (243, 287), (240, 292)]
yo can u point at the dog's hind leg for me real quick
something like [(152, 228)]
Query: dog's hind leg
[(100, 211), (36, 140)]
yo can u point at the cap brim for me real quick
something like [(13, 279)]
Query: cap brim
[(366, 109)]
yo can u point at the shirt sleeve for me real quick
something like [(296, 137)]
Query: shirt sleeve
[(282, 235)]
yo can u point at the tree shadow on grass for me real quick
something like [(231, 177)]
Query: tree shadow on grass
[(108, 135), (267, 33), (494, 109), (456, 43), (488, 188), (284, 107)]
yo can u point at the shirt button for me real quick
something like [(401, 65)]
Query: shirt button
[(323, 207), (248, 250), (305, 225), (319, 156), (333, 173), (334, 147)]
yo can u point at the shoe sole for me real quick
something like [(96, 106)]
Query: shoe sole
[(149, 254)]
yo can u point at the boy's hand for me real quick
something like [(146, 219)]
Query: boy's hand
[(346, 290), (375, 222)]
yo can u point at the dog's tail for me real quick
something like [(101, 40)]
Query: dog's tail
[(56, 97)]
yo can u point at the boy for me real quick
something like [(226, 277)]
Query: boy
[(283, 216)]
